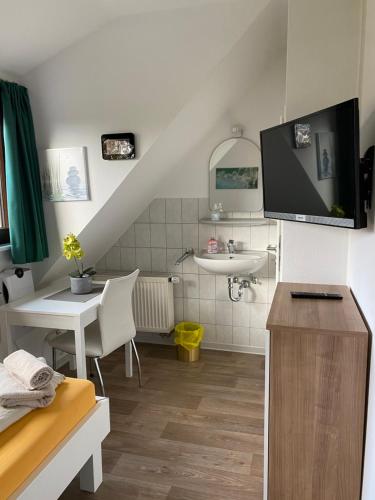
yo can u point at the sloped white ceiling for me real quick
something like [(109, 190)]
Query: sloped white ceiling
[(208, 79), (32, 31)]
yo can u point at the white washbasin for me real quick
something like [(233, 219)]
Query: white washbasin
[(248, 261)]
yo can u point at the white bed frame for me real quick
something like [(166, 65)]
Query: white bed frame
[(80, 452)]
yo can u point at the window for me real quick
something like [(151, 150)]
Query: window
[(4, 223)]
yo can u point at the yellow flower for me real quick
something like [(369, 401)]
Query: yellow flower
[(70, 239), (72, 250), (72, 247)]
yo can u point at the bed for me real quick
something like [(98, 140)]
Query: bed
[(41, 453)]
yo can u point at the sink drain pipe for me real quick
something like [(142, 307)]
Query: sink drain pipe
[(242, 284)]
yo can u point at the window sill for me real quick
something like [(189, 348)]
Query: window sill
[(5, 247)]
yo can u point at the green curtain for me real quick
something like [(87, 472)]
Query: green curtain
[(25, 207)]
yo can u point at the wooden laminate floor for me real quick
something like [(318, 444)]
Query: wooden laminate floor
[(193, 432)]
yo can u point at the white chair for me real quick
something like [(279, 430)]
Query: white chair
[(113, 328)]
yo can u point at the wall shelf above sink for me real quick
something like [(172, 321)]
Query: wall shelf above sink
[(238, 222)]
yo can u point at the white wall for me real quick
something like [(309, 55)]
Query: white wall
[(322, 69), (136, 74), (361, 268), (332, 73), (260, 107), (160, 236), (128, 76), (323, 54), (170, 224), (5, 75), (5, 259)]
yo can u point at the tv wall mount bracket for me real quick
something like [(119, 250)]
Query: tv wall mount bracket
[(367, 170)]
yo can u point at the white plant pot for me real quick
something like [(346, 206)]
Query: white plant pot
[(80, 286)]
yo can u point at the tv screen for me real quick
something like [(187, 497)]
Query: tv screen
[(311, 168)]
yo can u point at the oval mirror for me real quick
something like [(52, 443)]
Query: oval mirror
[(236, 176)]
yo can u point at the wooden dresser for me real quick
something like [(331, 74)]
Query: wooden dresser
[(317, 396)]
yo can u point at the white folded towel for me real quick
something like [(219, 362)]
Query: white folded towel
[(13, 393), (9, 416), (29, 370)]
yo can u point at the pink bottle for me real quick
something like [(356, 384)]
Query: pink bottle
[(212, 246)]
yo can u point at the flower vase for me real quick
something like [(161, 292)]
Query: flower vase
[(81, 285)]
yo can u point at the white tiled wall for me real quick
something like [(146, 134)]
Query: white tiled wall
[(161, 234)]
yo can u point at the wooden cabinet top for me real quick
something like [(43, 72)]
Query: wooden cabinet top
[(315, 315)]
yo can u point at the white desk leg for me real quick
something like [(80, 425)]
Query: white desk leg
[(72, 363), (129, 359), (91, 475), (6, 338), (79, 336)]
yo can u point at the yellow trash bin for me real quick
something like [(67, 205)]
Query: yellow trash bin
[(188, 337)]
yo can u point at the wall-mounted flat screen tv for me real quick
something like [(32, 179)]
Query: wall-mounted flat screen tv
[(311, 168)]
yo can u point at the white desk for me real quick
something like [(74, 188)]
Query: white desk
[(33, 310)]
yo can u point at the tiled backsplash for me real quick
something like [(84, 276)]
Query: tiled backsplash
[(161, 234)]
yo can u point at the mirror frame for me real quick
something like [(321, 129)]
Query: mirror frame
[(260, 179)]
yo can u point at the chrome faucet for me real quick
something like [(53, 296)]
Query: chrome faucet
[(231, 246), (188, 251)]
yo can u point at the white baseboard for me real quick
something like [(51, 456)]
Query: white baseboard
[(233, 348), (155, 338)]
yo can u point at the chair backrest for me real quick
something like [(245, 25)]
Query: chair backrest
[(115, 314)]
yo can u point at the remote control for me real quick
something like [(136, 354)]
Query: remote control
[(316, 295)]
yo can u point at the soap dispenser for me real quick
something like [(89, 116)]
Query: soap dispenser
[(212, 246)]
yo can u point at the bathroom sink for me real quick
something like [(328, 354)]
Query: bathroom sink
[(248, 261)]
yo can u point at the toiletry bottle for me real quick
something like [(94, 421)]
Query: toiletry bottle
[(212, 246)]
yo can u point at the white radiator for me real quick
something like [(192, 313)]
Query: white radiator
[(153, 307)]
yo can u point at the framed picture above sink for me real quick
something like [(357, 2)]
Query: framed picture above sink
[(236, 175)]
